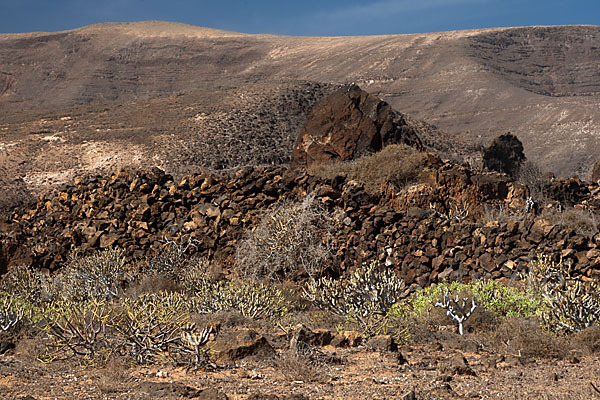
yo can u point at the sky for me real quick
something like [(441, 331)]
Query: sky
[(307, 17)]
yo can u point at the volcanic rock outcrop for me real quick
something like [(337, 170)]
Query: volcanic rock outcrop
[(504, 154), (349, 124)]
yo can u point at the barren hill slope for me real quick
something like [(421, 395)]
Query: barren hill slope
[(115, 80)]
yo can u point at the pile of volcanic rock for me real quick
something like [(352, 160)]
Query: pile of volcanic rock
[(136, 211)]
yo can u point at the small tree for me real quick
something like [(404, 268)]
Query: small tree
[(456, 309)]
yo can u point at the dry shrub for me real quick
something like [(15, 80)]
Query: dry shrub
[(587, 340), (531, 175), (584, 222), (396, 164), (318, 319), (172, 259), (293, 240), (431, 326), (526, 338), (152, 284), (481, 321), (434, 326), (295, 366), (501, 214)]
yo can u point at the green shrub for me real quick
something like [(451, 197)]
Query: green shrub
[(501, 300)]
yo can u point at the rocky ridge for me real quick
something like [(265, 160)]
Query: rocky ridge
[(536, 82)]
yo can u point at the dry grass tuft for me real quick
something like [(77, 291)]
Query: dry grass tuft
[(300, 367), (527, 339), (396, 164)]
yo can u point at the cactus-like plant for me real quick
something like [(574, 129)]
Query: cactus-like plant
[(251, 300), (457, 309), (11, 315), (27, 283), (100, 275), (194, 339), (77, 329), (572, 305), (367, 296), (151, 324)]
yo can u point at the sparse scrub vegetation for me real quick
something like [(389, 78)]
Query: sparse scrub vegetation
[(292, 240), (252, 300), (583, 222), (159, 327), (369, 297), (101, 275), (151, 325), (396, 164)]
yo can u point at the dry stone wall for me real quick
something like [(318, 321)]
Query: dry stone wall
[(417, 230)]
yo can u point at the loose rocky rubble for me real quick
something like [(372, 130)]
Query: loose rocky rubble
[(428, 231)]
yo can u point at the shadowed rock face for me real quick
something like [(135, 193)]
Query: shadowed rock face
[(347, 125), (505, 154)]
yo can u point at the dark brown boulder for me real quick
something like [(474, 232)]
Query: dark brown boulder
[(349, 124), (243, 344), (504, 154)]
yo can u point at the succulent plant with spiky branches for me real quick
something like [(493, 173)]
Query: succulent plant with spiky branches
[(367, 296)]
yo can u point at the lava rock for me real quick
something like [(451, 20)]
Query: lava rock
[(504, 154), (348, 124)]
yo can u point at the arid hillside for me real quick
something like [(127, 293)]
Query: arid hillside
[(183, 97)]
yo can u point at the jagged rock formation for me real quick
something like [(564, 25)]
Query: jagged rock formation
[(504, 154), (349, 124)]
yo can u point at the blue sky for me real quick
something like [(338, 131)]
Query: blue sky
[(308, 17)]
